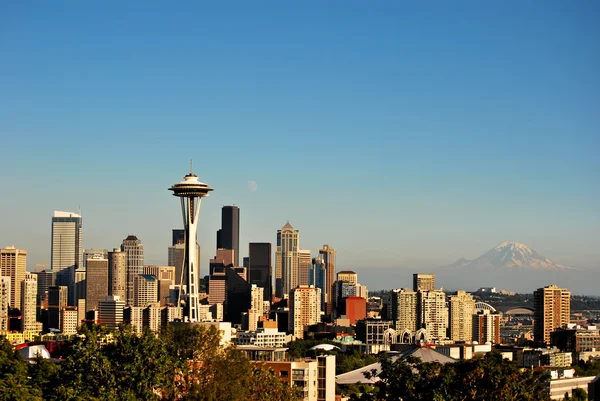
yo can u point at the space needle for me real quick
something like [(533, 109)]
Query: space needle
[(191, 191)]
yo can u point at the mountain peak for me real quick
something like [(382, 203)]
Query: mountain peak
[(510, 255)]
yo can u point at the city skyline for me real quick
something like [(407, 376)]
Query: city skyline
[(465, 136)]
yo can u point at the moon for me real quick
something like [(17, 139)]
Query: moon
[(252, 186)]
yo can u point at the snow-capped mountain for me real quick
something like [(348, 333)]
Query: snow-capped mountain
[(509, 255)]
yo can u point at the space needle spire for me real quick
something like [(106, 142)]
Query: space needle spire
[(191, 191)]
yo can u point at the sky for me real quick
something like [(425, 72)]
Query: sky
[(405, 136)]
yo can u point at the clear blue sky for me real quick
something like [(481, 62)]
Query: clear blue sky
[(404, 136)]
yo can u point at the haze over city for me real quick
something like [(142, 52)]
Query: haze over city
[(404, 136)]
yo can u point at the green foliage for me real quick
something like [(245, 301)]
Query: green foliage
[(587, 368), (579, 394), (481, 379), (183, 363)]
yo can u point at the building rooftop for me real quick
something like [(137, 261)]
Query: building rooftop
[(58, 213)]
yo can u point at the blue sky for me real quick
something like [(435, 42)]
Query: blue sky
[(403, 135)]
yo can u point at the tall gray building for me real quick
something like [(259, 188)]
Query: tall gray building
[(228, 237), (260, 269), (135, 263)]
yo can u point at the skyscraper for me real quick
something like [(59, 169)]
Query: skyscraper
[(176, 258), (5, 291), (228, 237), (286, 262), (13, 264), (423, 282), (304, 263), (178, 236), (57, 300), (110, 311), (432, 313), (146, 290), (117, 273), (96, 282), (486, 327), (166, 278), (29, 288), (328, 255), (135, 263), (66, 247), (260, 267), (305, 309), (93, 253), (552, 309), (460, 318), (190, 191), (404, 309)]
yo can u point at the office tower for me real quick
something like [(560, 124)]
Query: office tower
[(45, 279), (134, 249), (318, 277), (304, 263), (67, 245), (81, 312), (178, 236), (110, 311), (260, 267), (57, 300), (93, 253), (217, 286), (460, 317), (486, 327), (190, 191), (432, 313), (176, 258), (78, 285), (166, 278), (347, 275), (228, 237), (223, 258), (329, 255), (117, 273), (96, 282), (305, 309), (423, 282), (552, 309), (238, 296), (342, 290), (146, 290), (5, 294), (404, 309), (29, 288), (13, 264), (286, 260)]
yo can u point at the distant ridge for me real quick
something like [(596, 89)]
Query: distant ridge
[(510, 255)]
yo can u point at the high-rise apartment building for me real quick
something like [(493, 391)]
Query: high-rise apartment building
[(13, 264), (552, 309), (486, 327), (260, 267), (57, 301), (134, 249), (4, 302), (305, 309), (304, 263), (328, 255), (432, 313), (68, 320), (286, 260), (29, 288), (228, 237), (423, 282), (460, 317), (146, 290), (96, 282), (404, 309), (117, 273)]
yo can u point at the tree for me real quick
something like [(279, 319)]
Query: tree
[(14, 384)]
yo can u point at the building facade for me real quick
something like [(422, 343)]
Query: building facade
[(286, 260), (228, 237), (432, 313), (423, 282), (305, 309), (552, 309), (29, 288), (260, 268), (145, 290), (117, 273), (13, 264), (460, 318), (134, 249), (304, 263), (404, 309), (96, 282), (328, 255)]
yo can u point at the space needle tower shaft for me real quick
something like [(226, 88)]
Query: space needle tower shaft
[(190, 191)]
